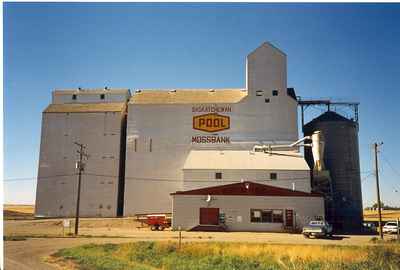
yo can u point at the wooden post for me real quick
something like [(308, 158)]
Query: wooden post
[(180, 238), (376, 145)]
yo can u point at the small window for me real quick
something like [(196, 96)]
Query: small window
[(135, 145), (267, 100), (218, 175), (255, 215), (73, 97), (277, 216), (151, 145), (273, 176), (259, 93), (102, 96), (274, 92)]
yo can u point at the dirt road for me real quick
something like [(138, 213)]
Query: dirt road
[(29, 254)]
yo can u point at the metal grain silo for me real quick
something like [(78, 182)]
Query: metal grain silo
[(341, 159)]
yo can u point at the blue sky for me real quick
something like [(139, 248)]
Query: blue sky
[(342, 51)]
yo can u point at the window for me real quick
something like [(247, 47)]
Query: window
[(259, 93), (273, 176), (151, 145), (266, 216), (267, 100), (102, 96), (274, 92), (135, 145), (73, 97), (277, 216), (218, 175), (255, 215)]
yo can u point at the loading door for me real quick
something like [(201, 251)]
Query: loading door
[(209, 216)]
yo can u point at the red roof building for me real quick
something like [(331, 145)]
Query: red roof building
[(245, 206)]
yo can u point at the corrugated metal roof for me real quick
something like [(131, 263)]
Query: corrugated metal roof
[(329, 116), (85, 108), (244, 160), (188, 96), (247, 189)]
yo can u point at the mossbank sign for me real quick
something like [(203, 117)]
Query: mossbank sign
[(211, 120)]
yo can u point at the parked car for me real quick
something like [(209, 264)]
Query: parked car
[(390, 227), (318, 228), (369, 227)]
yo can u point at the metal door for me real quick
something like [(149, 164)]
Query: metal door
[(209, 216)]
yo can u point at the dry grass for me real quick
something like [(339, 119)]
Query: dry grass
[(18, 211), (387, 215), (278, 252), (222, 256)]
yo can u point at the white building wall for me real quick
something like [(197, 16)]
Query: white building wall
[(186, 210), (194, 179), (170, 128), (57, 179)]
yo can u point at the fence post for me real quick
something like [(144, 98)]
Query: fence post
[(180, 238)]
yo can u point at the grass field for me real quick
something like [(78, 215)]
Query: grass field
[(18, 211), (387, 215), (219, 256)]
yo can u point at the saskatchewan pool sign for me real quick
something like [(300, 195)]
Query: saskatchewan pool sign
[(211, 122)]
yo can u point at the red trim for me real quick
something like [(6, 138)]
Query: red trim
[(254, 189)]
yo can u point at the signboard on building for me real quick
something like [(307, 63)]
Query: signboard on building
[(211, 122)]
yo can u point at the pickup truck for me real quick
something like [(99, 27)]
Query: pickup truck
[(317, 228)]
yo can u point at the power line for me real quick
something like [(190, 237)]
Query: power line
[(390, 165), (395, 189), (352, 173), (35, 178)]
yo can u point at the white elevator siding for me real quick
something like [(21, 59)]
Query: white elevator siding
[(57, 179), (152, 176)]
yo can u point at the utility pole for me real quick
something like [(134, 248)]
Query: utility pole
[(376, 145), (80, 166)]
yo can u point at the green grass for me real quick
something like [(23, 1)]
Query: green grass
[(230, 256)]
